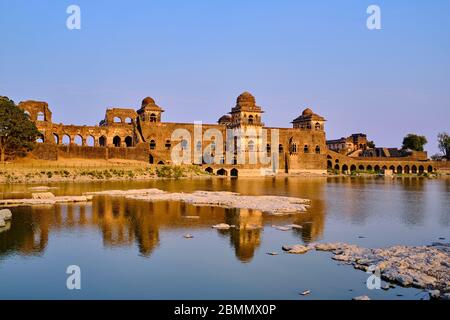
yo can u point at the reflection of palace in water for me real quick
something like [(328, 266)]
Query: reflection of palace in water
[(128, 222)]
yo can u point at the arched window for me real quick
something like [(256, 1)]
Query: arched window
[(152, 145), (129, 120), (56, 138), (66, 139), (117, 141), (268, 149), (308, 125), (199, 146), (102, 141), (294, 147), (280, 148), (40, 138), (41, 116), (318, 127), (306, 149), (153, 117), (168, 145), (129, 141), (317, 149), (251, 146), (117, 120), (90, 141), (78, 140), (184, 144), (250, 120)]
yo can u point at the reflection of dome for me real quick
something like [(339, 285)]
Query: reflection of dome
[(147, 101), (246, 97), (307, 112)]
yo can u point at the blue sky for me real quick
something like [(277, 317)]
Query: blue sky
[(195, 57)]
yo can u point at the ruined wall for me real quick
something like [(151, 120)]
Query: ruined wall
[(45, 151), (82, 152)]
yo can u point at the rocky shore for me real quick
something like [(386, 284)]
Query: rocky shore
[(276, 205), (424, 267)]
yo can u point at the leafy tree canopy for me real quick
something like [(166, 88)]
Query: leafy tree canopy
[(444, 144), (17, 132), (414, 142)]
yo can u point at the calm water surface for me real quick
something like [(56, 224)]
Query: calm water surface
[(136, 250)]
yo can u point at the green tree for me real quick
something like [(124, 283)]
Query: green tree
[(371, 144), (414, 142), (444, 144), (17, 132)]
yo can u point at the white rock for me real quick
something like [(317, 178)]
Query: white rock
[(222, 226), (6, 214), (281, 228), (296, 249), (42, 195), (434, 294), (305, 293), (361, 298)]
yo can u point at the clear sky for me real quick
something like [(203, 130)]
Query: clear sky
[(195, 57)]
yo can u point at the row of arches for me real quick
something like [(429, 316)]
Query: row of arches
[(306, 148), (90, 140), (396, 169), (223, 172), (127, 120)]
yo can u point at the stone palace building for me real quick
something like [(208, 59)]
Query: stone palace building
[(143, 135)]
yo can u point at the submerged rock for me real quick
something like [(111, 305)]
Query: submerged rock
[(294, 226), (296, 249), (45, 200), (188, 236), (222, 226), (5, 214), (361, 298), (42, 195), (282, 228), (305, 293)]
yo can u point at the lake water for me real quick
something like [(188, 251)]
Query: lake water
[(136, 250)]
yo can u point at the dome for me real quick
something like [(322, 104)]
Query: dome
[(148, 101), (307, 112), (246, 97), (224, 119)]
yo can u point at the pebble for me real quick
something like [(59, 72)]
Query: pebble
[(305, 293)]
